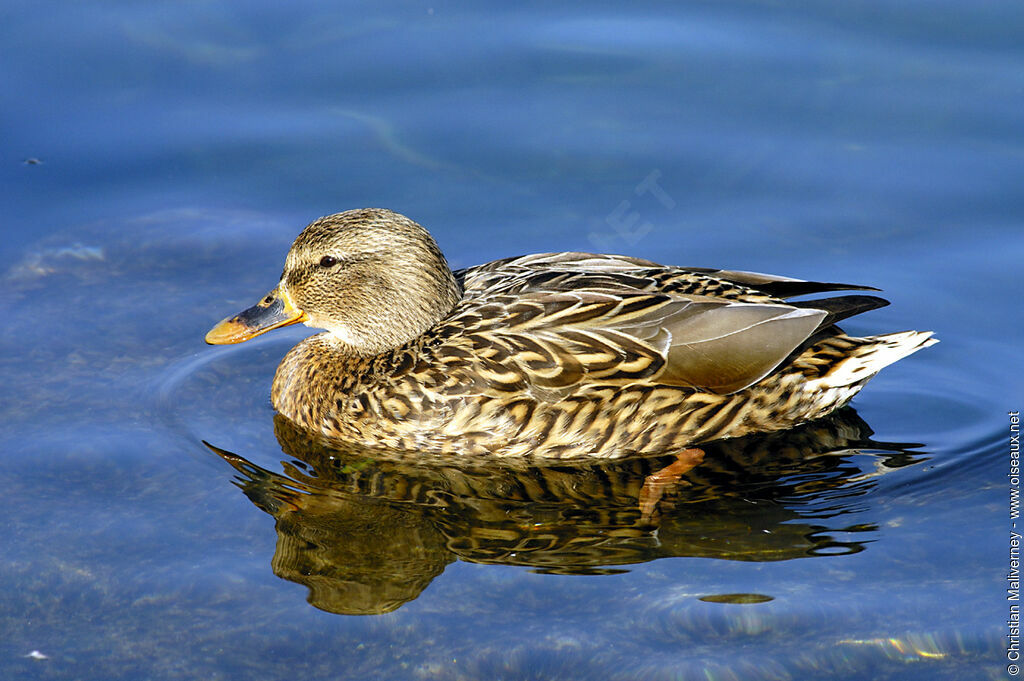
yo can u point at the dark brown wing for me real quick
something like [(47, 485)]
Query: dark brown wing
[(564, 318), (557, 340)]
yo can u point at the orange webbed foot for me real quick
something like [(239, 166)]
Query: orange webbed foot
[(656, 483)]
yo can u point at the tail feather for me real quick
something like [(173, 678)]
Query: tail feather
[(882, 351)]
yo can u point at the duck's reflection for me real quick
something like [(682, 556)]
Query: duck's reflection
[(367, 531)]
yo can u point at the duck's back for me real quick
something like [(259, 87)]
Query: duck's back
[(575, 354), (619, 319)]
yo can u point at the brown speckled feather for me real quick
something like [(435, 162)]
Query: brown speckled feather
[(558, 354)]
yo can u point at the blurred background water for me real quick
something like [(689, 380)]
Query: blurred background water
[(157, 159)]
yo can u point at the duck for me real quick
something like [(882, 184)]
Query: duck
[(549, 356)]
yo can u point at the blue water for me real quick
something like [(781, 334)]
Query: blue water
[(156, 162)]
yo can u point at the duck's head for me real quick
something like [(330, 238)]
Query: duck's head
[(372, 278)]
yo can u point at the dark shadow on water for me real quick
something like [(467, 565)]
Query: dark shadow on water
[(367, 531)]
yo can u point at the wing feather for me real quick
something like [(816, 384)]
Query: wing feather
[(569, 318)]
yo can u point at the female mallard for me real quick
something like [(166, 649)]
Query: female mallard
[(548, 355)]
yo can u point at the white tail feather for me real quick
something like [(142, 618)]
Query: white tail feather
[(870, 359)]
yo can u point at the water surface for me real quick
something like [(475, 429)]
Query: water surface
[(157, 162)]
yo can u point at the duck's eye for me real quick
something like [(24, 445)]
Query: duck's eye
[(328, 261)]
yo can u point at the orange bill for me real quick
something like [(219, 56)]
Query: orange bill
[(273, 311)]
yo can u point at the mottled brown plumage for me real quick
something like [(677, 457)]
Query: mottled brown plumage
[(550, 355)]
